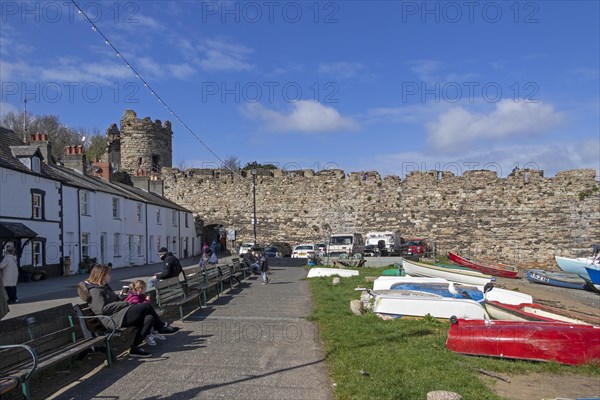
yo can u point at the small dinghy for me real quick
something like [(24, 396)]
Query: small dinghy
[(320, 272), (422, 304), (568, 280)]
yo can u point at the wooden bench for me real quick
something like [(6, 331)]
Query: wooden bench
[(196, 282), (37, 341), (239, 266), (213, 277), (228, 275), (172, 293)]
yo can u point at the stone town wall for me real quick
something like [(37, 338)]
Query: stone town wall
[(524, 219)]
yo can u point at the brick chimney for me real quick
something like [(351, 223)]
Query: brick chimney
[(41, 140), (75, 158), (141, 179), (101, 169)]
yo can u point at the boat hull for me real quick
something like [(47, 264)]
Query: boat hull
[(421, 305), (538, 312), (538, 341), (576, 266), (560, 279), (467, 277), (504, 271), (321, 272)]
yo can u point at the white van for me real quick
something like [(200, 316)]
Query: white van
[(391, 240), (349, 243)]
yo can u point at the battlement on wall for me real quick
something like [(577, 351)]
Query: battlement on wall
[(130, 122), (487, 177)]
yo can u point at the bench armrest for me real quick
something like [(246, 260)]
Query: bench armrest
[(32, 352)]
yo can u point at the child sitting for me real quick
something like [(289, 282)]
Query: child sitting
[(137, 295)]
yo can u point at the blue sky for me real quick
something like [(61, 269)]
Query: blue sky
[(392, 86)]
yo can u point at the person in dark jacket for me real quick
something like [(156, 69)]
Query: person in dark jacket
[(171, 267), (104, 301)]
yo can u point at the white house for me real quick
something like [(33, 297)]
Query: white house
[(80, 214)]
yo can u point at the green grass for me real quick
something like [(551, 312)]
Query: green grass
[(403, 359)]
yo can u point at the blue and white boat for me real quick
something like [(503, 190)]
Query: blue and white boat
[(447, 289), (594, 276), (561, 279), (577, 265)]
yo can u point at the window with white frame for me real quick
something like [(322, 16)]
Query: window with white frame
[(85, 244), (36, 253), (116, 208), (84, 202), (138, 243), (139, 212), (174, 218), (158, 216), (37, 204), (168, 243), (117, 244), (158, 242)]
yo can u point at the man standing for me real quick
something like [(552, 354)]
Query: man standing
[(10, 273)]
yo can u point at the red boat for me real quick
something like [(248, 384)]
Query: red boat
[(538, 312), (505, 271), (538, 341)]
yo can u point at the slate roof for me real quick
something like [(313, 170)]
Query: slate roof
[(11, 145)]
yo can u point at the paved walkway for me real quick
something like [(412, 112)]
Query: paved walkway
[(252, 343)]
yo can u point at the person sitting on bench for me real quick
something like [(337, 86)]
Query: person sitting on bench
[(104, 301)]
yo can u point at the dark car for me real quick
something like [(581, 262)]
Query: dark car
[(284, 248), (272, 251)]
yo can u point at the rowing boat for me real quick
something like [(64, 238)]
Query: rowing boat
[(505, 271)]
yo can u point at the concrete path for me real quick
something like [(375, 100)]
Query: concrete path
[(252, 343)]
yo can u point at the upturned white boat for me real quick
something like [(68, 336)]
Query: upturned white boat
[(411, 305), (496, 294), (577, 265), (344, 273), (455, 275)]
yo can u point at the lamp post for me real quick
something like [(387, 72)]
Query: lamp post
[(254, 202)]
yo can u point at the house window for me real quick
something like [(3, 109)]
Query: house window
[(36, 253), (186, 219), (84, 203), (158, 216), (85, 244), (174, 218), (35, 164), (138, 243), (168, 242), (116, 208), (139, 212), (117, 244), (158, 242), (37, 204)]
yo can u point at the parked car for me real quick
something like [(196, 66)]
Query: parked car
[(305, 250), (284, 247), (244, 247), (272, 251), (414, 246)]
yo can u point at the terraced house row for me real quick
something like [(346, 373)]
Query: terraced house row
[(59, 215)]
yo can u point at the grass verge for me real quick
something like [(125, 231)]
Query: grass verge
[(369, 358)]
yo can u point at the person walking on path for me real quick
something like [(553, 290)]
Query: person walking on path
[(264, 268), (104, 301), (10, 273)]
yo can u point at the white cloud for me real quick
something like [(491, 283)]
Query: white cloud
[(457, 127), (426, 70), (341, 70), (5, 108), (221, 55), (306, 116), (181, 71)]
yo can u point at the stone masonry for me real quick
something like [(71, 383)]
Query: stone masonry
[(524, 219)]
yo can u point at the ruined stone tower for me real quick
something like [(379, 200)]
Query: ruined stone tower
[(140, 144)]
